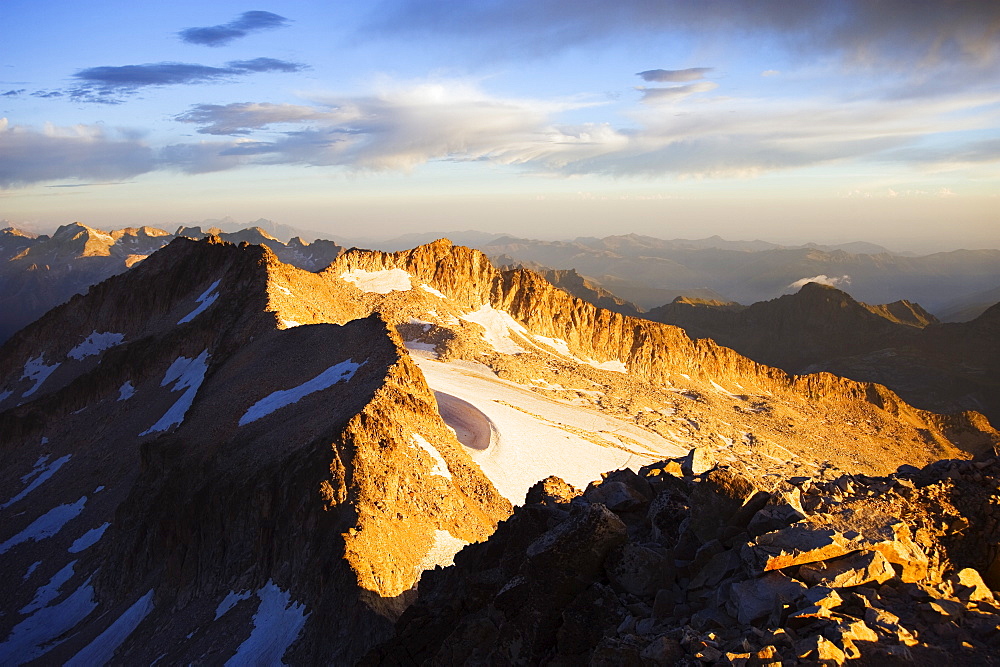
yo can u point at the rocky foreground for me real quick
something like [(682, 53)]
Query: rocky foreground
[(688, 562)]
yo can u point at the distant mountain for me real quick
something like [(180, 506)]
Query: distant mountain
[(40, 272), (470, 237), (644, 270), (276, 230), (971, 306), (943, 367)]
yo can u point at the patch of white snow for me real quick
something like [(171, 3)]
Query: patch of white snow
[(102, 649), (613, 365), (206, 299), (96, 343), (185, 374), (126, 391), (379, 282), (276, 625), (498, 325), (283, 290), (442, 551), (46, 525), (4, 395), (440, 465), (557, 344), (341, 372), (427, 288), (43, 471), (289, 324), (31, 570), (37, 371), (230, 601), (50, 591), (37, 634), (88, 539)]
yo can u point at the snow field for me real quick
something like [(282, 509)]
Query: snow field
[(185, 374), (378, 282), (276, 625), (43, 473), (498, 325), (96, 343), (37, 371), (341, 372), (539, 436), (88, 539), (206, 299), (440, 465), (46, 525), (102, 649)]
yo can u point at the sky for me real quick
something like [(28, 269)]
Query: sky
[(789, 121)]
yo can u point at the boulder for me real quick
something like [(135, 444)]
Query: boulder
[(754, 599), (856, 569)]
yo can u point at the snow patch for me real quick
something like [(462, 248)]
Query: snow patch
[(721, 390), (413, 345), (4, 395), (206, 299), (102, 649), (37, 371), (440, 465), (229, 602), (613, 365), (31, 570), (442, 551), (379, 282), (96, 343), (498, 325), (43, 472), (126, 391), (557, 344), (288, 324), (427, 288), (276, 625), (46, 525), (50, 591), (822, 279), (343, 371), (37, 634), (185, 374), (88, 539), (283, 290)]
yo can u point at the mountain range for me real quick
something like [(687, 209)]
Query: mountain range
[(218, 455)]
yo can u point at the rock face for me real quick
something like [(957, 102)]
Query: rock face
[(578, 286), (196, 483), (889, 570), (939, 367)]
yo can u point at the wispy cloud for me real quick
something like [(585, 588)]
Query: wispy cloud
[(246, 23), (111, 84), (13, 93), (87, 152), (675, 93), (885, 34), (407, 124), (674, 75), (829, 281)]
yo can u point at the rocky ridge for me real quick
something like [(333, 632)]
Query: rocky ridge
[(939, 367), (40, 272), (193, 466), (721, 391), (689, 562)]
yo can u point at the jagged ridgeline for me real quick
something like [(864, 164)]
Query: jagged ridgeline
[(217, 455)]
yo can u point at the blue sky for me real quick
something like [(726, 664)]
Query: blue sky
[(790, 121)]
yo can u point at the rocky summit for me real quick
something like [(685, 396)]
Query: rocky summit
[(219, 456)]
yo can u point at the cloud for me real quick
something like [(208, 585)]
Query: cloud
[(674, 75), (110, 84), (82, 151), (770, 72), (13, 93), (675, 93), (242, 118), (884, 34), (822, 280), (220, 35), (47, 93)]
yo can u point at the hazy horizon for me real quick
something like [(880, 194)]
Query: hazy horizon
[(826, 122)]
